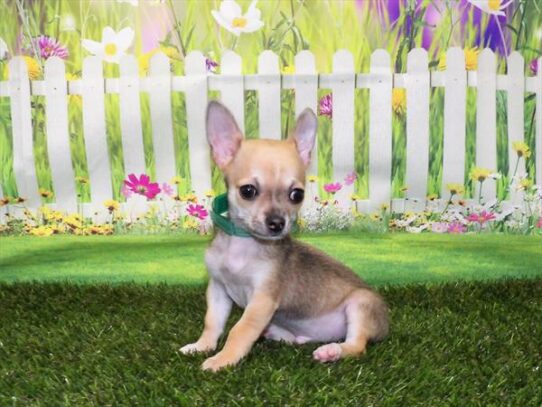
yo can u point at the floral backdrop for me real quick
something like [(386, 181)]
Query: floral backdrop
[(73, 29)]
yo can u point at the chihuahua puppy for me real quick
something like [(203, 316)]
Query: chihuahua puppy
[(289, 291)]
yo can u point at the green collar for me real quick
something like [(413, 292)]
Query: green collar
[(218, 208)]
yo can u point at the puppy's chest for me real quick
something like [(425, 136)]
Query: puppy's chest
[(239, 264)]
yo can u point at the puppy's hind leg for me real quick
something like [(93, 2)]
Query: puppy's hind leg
[(366, 319)]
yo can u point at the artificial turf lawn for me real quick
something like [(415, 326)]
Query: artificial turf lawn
[(379, 259), (455, 344), (78, 343)]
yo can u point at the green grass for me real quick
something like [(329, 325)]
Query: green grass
[(477, 344), (76, 330), (380, 259)]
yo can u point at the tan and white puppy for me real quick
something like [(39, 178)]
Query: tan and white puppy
[(289, 291)]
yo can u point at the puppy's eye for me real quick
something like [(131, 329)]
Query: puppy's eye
[(297, 195), (248, 192)]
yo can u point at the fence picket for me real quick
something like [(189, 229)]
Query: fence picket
[(486, 120), (343, 85), (417, 150), (24, 168), (161, 117), (380, 134), (130, 117), (538, 139), (93, 93), (516, 94), (196, 107), (232, 91), (306, 96), (455, 84), (269, 89), (58, 137)]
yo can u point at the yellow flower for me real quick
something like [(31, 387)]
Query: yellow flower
[(190, 197), (432, 197), (355, 197), (191, 223), (375, 216), (521, 149), (5, 201), (74, 221), (455, 189), (301, 223), (384, 207), (145, 59), (111, 205), (45, 193), (525, 184), (471, 59), (76, 99), (479, 174), (288, 70), (81, 180), (210, 193), (312, 178), (99, 230), (41, 231), (32, 65), (176, 180), (398, 100)]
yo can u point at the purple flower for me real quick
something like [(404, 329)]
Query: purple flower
[(142, 185), (325, 106), (50, 47), (534, 66), (211, 65), (350, 178), (456, 228), (197, 211), (439, 227), (127, 192)]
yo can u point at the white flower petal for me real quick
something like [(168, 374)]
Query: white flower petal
[(221, 20), (252, 25), (124, 38), (108, 35), (95, 48), (253, 12), (229, 9)]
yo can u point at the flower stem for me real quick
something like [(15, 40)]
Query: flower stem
[(177, 28), (480, 192)]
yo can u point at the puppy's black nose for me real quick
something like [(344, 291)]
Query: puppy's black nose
[(275, 224)]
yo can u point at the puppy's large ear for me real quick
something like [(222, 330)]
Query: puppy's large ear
[(223, 134), (305, 134)]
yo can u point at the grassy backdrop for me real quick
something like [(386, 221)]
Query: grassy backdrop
[(290, 26), (380, 259)]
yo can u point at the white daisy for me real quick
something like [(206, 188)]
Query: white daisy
[(113, 45), (494, 7), (231, 17)]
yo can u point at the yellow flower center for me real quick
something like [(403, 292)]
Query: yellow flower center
[(398, 100), (471, 59), (239, 22), (110, 49), (494, 5)]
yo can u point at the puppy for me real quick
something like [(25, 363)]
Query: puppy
[(289, 291)]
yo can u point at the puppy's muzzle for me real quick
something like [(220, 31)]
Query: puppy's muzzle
[(275, 224)]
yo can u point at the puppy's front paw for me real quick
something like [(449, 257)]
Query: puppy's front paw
[(197, 347), (218, 361), (328, 353)]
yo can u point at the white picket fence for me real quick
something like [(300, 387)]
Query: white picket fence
[(269, 82)]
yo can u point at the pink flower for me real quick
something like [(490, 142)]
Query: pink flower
[(332, 188), (142, 185), (350, 178), (439, 227), (481, 217), (456, 228), (127, 192), (49, 47), (167, 189), (539, 223), (197, 211), (325, 106), (534, 66)]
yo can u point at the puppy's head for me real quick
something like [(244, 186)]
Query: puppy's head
[(265, 178)]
